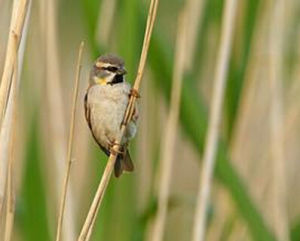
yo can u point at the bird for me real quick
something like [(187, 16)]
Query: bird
[(105, 103)]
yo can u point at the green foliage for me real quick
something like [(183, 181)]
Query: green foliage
[(90, 12), (295, 231), (119, 219), (193, 111), (32, 207), (238, 65), (194, 122), (129, 45)]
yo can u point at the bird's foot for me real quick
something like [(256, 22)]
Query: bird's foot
[(133, 92), (111, 145)]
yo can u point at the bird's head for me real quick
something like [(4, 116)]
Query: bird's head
[(108, 70)]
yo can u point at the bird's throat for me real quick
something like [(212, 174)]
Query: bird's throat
[(101, 81)]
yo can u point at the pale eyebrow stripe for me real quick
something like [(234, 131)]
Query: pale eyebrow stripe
[(104, 65)]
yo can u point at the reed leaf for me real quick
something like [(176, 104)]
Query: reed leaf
[(33, 205)]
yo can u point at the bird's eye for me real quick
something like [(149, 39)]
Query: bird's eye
[(111, 69)]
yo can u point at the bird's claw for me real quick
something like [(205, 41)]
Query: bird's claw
[(112, 150), (133, 92)]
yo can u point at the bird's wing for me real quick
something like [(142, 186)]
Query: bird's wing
[(124, 161), (87, 111)]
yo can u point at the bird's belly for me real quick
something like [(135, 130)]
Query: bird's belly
[(106, 119)]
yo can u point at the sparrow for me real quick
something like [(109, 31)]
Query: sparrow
[(105, 103)]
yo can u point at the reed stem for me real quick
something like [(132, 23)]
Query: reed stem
[(212, 136), (16, 30), (70, 146), (166, 160), (94, 208)]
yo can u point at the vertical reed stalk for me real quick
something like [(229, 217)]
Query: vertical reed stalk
[(16, 28), (70, 145), (10, 200), (277, 20), (16, 34), (168, 144), (92, 214), (10, 196), (229, 13), (57, 108), (8, 132)]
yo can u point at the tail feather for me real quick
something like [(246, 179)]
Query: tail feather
[(123, 163), (127, 162), (118, 167)]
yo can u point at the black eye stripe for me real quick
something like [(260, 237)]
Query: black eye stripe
[(111, 68)]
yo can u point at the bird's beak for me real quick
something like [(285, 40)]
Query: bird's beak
[(122, 71)]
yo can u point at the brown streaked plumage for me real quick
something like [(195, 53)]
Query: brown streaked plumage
[(105, 103)]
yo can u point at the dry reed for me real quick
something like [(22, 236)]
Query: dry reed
[(257, 97), (252, 101), (16, 34), (57, 109), (94, 208), (70, 145), (8, 133), (16, 29), (277, 20), (10, 200), (167, 155), (214, 120)]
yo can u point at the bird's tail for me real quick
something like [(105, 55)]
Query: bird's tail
[(123, 163)]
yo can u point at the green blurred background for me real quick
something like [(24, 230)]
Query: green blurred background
[(243, 196)]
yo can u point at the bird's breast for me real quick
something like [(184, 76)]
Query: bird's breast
[(107, 107)]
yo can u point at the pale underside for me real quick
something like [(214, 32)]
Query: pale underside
[(106, 105)]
